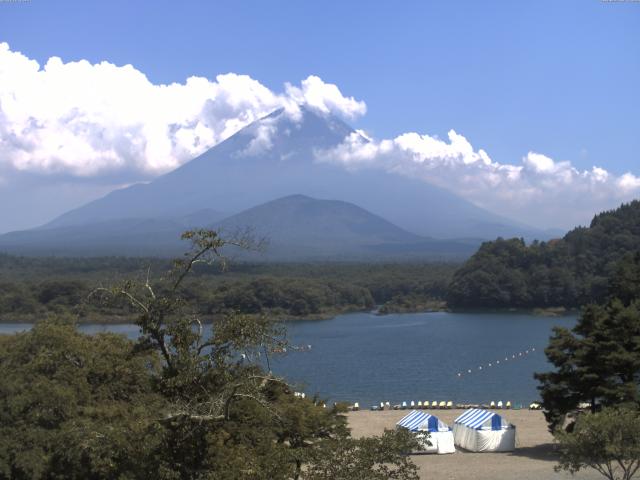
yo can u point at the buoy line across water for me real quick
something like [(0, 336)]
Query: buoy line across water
[(507, 358)]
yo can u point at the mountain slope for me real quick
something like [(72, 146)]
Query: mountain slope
[(568, 272), (275, 157), (298, 219), (128, 236), (296, 228)]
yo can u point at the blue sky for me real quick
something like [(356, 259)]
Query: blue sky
[(559, 77), (556, 77)]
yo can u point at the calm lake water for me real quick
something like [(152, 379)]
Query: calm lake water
[(368, 358)]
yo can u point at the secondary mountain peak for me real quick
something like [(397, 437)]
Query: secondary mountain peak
[(301, 227)]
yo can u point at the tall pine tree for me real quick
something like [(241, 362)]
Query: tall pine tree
[(598, 361)]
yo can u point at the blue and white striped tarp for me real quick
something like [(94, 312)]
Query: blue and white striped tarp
[(416, 421), (479, 419)]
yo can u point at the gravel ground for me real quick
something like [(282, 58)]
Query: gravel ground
[(533, 458)]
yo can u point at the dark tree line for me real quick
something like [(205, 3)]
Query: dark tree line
[(568, 272), (30, 290)]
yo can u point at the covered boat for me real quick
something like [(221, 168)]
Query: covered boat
[(440, 435)]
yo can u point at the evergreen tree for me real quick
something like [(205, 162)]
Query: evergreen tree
[(598, 361), (608, 442)]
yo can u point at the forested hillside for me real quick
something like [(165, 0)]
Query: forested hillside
[(567, 272), (31, 288)]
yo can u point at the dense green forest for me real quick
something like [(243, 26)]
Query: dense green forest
[(567, 272), (183, 401), (32, 287)]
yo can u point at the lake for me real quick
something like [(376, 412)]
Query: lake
[(367, 358)]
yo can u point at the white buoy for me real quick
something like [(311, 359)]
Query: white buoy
[(469, 371), (459, 374)]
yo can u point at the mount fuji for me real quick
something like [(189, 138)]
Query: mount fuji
[(270, 159)]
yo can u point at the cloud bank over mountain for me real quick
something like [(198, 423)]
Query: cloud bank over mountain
[(539, 189), (86, 119), (109, 125)]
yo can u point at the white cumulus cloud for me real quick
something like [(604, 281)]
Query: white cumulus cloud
[(538, 189), (325, 97), (89, 119)]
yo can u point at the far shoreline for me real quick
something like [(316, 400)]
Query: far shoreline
[(124, 320)]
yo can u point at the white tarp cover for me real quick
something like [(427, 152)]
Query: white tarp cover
[(480, 430), (440, 435)]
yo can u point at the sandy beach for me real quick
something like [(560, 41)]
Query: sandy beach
[(533, 458)]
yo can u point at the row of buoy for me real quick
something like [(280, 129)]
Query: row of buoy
[(514, 356)]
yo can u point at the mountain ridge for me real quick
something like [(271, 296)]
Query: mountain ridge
[(297, 227)]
